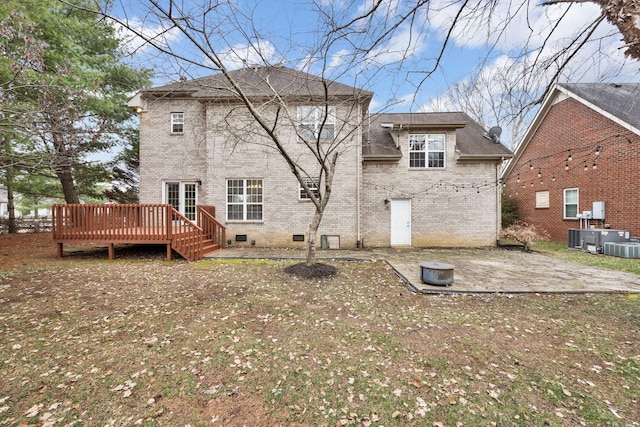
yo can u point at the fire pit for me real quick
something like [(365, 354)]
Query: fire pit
[(436, 273)]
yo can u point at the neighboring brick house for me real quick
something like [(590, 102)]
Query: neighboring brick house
[(433, 173), (582, 147)]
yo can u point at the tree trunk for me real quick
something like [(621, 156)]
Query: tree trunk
[(68, 187), (13, 227), (313, 234)]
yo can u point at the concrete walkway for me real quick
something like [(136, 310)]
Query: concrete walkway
[(490, 270)]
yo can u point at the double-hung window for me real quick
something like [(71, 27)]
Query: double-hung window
[(312, 183), (571, 203), (244, 200), (317, 123), (426, 151), (177, 122)]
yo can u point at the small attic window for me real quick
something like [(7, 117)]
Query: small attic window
[(177, 123)]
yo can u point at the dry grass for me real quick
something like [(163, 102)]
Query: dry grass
[(141, 341)]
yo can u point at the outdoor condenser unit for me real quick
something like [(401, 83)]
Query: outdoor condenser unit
[(593, 240)]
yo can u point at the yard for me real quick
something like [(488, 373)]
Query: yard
[(142, 341)]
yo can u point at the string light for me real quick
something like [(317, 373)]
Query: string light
[(594, 164), (586, 168), (539, 172), (569, 158), (598, 149)]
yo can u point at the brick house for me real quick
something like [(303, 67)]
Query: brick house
[(581, 148), (422, 179)]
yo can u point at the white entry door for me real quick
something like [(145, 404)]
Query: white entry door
[(401, 222)]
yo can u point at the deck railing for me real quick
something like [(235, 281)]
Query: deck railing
[(212, 228), (188, 238), (77, 222), (151, 224)]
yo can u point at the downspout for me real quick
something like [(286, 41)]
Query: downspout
[(359, 183), (498, 203)]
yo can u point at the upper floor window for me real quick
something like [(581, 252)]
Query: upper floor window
[(177, 122), (426, 151), (312, 183), (571, 203), (244, 200), (312, 123)]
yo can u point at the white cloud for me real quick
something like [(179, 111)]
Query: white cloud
[(262, 52), (134, 39), (403, 45)]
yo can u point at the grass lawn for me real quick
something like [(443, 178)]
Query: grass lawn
[(141, 341)]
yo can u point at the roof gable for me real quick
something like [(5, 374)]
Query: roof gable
[(618, 102), (257, 82)]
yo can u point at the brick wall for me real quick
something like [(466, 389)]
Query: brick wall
[(221, 142), (570, 125), (455, 206)]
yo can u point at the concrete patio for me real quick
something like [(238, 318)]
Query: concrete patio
[(476, 271)]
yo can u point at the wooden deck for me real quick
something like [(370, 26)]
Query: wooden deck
[(138, 224)]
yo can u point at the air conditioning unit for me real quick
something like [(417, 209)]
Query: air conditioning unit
[(593, 240), (622, 250)]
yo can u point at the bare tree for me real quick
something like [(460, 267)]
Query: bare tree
[(356, 45)]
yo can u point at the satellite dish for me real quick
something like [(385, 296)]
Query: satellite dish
[(494, 134)]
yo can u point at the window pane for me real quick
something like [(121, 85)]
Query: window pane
[(417, 160), (571, 211), (234, 212), (436, 142), (235, 191), (190, 201), (173, 194), (436, 160), (254, 212), (306, 132), (327, 132), (571, 196), (416, 142)]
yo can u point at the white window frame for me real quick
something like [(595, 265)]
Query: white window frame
[(313, 184), (183, 204), (565, 203), (177, 119), (424, 145), (310, 123), (248, 197)]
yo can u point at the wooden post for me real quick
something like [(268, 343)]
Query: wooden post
[(168, 251), (60, 252), (111, 251)]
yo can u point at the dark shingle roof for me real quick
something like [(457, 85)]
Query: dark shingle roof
[(470, 142), (619, 100), (261, 82)]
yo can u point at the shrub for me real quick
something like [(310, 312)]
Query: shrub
[(524, 233), (510, 214)]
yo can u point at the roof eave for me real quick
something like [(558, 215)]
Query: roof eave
[(409, 126), (483, 157), (381, 157)]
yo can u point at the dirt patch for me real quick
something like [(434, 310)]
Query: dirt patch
[(314, 271)]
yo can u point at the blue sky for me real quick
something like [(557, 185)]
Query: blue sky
[(505, 39)]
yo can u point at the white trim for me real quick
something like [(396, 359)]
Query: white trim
[(564, 202)]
